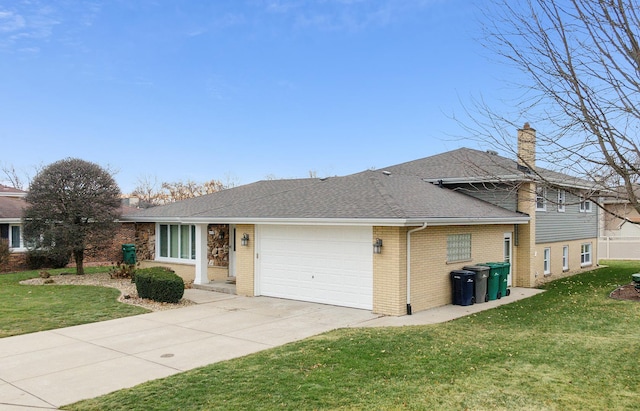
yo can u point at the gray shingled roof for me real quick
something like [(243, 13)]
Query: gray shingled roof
[(370, 195), (466, 164), (11, 207), (11, 192)]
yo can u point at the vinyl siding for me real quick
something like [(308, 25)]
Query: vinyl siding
[(553, 226), (502, 195)]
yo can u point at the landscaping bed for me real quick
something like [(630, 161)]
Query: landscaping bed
[(128, 293)]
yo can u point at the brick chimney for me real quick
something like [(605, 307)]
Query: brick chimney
[(527, 148)]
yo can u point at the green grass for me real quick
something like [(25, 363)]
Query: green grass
[(570, 348), (30, 308)]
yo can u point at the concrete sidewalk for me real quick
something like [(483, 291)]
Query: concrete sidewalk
[(48, 369)]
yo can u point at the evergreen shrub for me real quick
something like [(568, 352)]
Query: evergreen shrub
[(159, 284)]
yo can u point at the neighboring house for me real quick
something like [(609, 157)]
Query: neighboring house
[(382, 240), (619, 217), (619, 228), (11, 205)]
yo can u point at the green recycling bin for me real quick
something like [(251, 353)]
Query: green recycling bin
[(493, 283), (503, 282), (129, 253)]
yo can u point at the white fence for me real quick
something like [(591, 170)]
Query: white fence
[(619, 248)]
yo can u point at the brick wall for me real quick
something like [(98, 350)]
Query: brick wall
[(430, 271), (245, 264), (556, 259), (17, 262), (389, 271), (111, 251)]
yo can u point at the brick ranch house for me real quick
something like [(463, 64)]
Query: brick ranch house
[(11, 205), (382, 240)]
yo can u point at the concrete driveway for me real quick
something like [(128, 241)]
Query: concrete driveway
[(49, 369)]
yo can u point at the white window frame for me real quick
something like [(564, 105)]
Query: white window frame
[(191, 247), (541, 198), (458, 247), (21, 246), (585, 205), (546, 261), (562, 200), (586, 254), (565, 258)]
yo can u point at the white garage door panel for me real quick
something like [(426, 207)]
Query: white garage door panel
[(331, 265)]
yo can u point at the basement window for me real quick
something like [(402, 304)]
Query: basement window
[(585, 254), (458, 247)]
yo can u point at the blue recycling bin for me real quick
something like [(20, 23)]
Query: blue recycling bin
[(462, 287)]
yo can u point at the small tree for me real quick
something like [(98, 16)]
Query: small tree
[(71, 203)]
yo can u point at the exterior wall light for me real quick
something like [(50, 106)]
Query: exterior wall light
[(245, 239), (377, 246)]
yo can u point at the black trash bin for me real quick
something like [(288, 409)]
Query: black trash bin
[(462, 286), (129, 253), (482, 274)]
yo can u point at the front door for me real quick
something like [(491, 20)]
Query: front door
[(507, 255)]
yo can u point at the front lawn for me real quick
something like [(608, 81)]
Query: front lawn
[(30, 308), (570, 348)]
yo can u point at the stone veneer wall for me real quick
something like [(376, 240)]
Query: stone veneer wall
[(145, 241), (218, 245)]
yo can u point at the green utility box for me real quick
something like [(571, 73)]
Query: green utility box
[(129, 253)]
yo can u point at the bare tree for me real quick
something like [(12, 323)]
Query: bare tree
[(581, 87), (150, 192), (71, 203)]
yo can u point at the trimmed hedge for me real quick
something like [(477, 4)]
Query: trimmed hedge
[(159, 284)]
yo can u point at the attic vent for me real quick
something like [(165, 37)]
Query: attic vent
[(324, 178), (492, 152), (386, 173)]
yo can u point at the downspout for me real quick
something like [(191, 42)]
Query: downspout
[(424, 225)]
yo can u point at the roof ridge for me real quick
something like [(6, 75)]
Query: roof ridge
[(267, 195), (386, 196)]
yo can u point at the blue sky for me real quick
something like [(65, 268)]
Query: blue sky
[(237, 90)]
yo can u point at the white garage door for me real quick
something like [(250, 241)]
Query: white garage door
[(330, 265)]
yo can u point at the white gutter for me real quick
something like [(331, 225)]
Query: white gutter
[(388, 222), (424, 225)]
